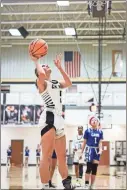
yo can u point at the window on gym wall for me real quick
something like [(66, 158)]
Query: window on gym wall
[(117, 63)]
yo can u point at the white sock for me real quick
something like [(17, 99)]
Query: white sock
[(45, 186)]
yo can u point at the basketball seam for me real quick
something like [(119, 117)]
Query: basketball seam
[(36, 55), (34, 46), (39, 48), (40, 54), (31, 45)]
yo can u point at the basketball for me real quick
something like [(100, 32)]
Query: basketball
[(38, 48)]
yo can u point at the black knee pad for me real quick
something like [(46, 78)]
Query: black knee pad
[(94, 169), (89, 167)]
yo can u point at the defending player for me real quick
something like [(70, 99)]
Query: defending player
[(93, 149)]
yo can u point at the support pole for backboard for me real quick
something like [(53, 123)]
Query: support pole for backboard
[(99, 70)]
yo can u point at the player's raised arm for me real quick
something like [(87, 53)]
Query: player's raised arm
[(67, 81)]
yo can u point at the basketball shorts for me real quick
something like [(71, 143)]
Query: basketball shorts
[(51, 119), (27, 156), (76, 160), (54, 156), (91, 153)]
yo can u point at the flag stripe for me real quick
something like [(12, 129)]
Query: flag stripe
[(72, 63), (76, 65), (79, 64)]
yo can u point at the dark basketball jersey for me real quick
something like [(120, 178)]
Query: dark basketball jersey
[(37, 152), (27, 152), (93, 137), (9, 152)]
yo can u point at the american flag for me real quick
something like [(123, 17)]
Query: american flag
[(72, 61)]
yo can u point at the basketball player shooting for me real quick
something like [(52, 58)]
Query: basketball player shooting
[(93, 149), (51, 121)]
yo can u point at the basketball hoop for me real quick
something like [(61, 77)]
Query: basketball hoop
[(98, 8), (97, 3)]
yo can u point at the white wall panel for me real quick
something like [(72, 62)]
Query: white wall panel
[(17, 64), (119, 99), (23, 88), (1, 99), (115, 94), (13, 98), (27, 98), (79, 117)]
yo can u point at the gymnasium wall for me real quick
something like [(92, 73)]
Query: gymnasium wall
[(16, 62), (112, 94), (79, 117), (31, 137)]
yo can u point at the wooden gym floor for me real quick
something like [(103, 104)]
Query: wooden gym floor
[(28, 178)]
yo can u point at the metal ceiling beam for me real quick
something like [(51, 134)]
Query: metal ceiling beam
[(53, 3), (57, 21), (61, 42), (117, 30), (116, 20), (54, 12), (45, 9), (62, 29), (62, 36)]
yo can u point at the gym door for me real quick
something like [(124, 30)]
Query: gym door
[(17, 152)]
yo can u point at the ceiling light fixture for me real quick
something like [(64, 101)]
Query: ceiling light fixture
[(63, 3), (19, 32), (70, 31), (14, 32)]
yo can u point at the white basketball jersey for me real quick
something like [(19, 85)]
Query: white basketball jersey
[(78, 142), (52, 96)]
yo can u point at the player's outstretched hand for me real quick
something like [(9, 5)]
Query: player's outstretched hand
[(57, 61)]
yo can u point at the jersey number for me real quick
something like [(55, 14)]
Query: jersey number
[(55, 84), (95, 140), (60, 96)]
